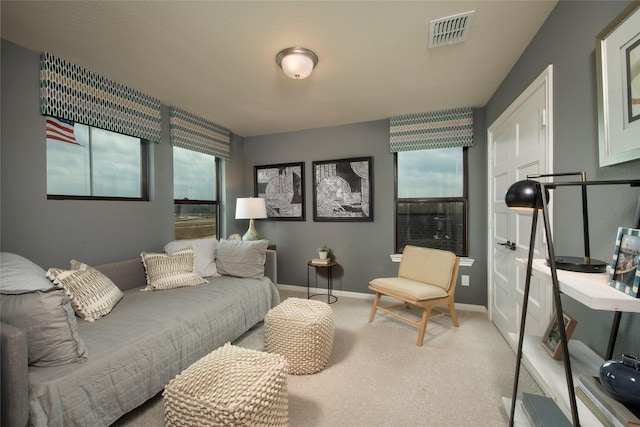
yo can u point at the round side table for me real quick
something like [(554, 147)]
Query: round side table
[(329, 266)]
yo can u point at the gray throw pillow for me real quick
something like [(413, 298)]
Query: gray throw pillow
[(19, 273), (49, 324), (242, 258)]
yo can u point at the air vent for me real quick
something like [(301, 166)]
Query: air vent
[(450, 30)]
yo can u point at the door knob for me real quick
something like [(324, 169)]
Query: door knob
[(509, 245)]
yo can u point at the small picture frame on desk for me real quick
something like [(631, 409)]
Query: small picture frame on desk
[(624, 274), (551, 337)]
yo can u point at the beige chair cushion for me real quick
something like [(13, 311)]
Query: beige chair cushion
[(431, 266), (407, 288)]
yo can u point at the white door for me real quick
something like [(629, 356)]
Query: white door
[(519, 143)]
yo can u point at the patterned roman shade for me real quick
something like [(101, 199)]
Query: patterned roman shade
[(438, 129), (197, 134), (68, 91)]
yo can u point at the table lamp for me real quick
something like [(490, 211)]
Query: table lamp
[(251, 208)]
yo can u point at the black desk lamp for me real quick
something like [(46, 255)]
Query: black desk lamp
[(530, 194), (580, 264)]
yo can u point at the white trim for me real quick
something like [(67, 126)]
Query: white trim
[(366, 296), (464, 261)]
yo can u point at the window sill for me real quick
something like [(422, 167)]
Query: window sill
[(464, 261)]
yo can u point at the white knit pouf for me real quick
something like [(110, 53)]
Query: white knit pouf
[(231, 386), (302, 331)]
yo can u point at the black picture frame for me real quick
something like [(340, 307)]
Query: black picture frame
[(282, 187), (632, 72), (343, 190)]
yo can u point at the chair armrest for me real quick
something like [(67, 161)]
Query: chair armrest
[(14, 376), (271, 266)]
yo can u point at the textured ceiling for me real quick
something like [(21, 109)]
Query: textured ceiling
[(216, 59)]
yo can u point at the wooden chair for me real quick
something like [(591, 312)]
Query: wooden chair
[(426, 279)]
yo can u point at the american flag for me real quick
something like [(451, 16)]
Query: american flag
[(61, 130)]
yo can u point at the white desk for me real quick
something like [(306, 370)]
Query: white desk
[(590, 289)]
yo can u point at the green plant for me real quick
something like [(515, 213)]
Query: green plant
[(323, 248)]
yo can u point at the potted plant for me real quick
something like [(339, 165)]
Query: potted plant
[(323, 251)]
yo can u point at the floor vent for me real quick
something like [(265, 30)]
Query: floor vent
[(450, 30)]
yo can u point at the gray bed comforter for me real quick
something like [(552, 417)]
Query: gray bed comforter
[(146, 340)]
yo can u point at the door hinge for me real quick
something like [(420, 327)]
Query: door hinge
[(544, 117)]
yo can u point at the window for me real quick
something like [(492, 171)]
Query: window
[(89, 163), (195, 190), (431, 199)]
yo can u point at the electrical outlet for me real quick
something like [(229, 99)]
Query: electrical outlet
[(465, 280)]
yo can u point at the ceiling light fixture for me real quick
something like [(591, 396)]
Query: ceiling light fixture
[(297, 62)]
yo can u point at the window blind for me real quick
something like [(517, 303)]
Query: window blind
[(197, 134), (439, 129), (68, 91)]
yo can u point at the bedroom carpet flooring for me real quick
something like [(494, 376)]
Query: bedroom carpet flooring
[(377, 376)]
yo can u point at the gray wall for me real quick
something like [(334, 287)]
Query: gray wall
[(361, 248), (567, 40), (232, 189), (51, 232)]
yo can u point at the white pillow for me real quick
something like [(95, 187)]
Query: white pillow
[(92, 294), (205, 253), (166, 271)]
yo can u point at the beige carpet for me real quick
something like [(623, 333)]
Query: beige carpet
[(377, 376)]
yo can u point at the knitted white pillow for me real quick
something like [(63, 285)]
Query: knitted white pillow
[(92, 294), (166, 271)]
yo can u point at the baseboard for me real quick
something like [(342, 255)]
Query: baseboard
[(367, 296)]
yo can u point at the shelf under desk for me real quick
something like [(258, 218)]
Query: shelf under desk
[(549, 373), (592, 290)]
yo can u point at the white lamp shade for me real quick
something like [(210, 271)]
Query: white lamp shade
[(251, 208), (297, 65)]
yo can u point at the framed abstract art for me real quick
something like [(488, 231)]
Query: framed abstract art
[(343, 190), (282, 187)]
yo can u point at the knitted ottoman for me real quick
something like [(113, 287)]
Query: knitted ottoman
[(231, 386), (302, 331)]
